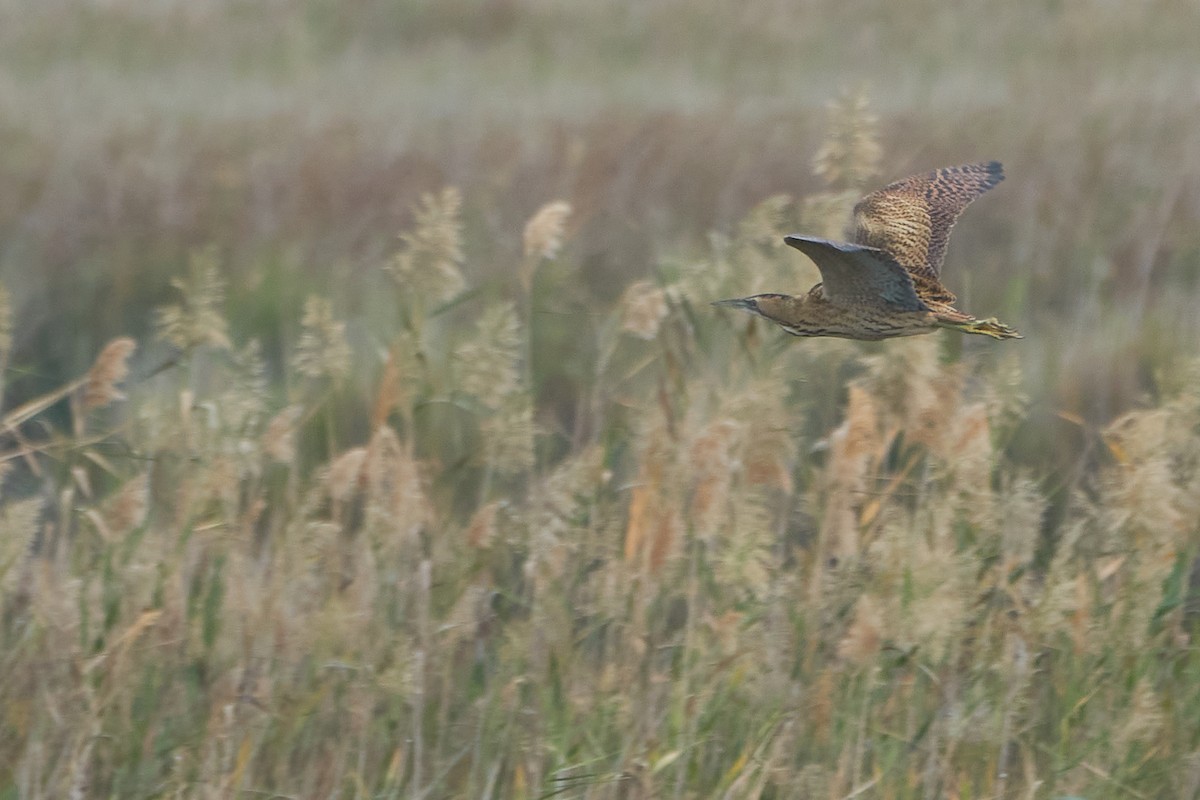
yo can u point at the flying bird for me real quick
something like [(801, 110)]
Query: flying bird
[(886, 282)]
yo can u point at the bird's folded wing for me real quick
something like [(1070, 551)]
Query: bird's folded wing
[(856, 275)]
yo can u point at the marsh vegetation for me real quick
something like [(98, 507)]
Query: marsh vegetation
[(367, 431)]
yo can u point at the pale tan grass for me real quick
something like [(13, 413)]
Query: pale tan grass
[(643, 308), (864, 637), (544, 232), (110, 368), (197, 320), (851, 153), (854, 450), (427, 269), (396, 598), (322, 351), (488, 362), (279, 439)]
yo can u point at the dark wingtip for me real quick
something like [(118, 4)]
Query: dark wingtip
[(991, 172), (802, 242), (995, 171), (810, 245)]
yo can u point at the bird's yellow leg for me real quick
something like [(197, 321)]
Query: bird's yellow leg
[(987, 327)]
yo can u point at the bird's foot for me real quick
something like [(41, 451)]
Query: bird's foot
[(987, 327)]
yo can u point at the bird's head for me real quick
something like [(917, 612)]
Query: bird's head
[(779, 308)]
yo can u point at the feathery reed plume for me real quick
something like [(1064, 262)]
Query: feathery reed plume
[(968, 457), (748, 259), (712, 453), (864, 637), (345, 475), (397, 506), (543, 238), (322, 351), (279, 439), (754, 250), (482, 528), (560, 498), (639, 520), (109, 369), (643, 308), (198, 319), (127, 509), (509, 435), (825, 213), (846, 160), (919, 394), (19, 525), (487, 362), (942, 604), (766, 222), (654, 526), (1145, 720), (390, 394), (1145, 489), (402, 379), (914, 558), (488, 367), (438, 230), (768, 444), (1024, 507), (1006, 399), (743, 557), (427, 268), (855, 448), (851, 153), (735, 465)]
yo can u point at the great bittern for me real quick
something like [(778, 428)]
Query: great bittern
[(885, 283)]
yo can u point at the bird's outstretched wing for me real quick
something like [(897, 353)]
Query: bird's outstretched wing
[(911, 219), (858, 276)]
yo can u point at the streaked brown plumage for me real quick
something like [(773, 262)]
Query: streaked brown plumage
[(886, 282)]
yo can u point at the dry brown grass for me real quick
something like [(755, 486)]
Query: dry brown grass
[(695, 600), (500, 508)]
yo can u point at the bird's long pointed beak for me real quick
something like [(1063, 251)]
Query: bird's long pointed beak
[(738, 302)]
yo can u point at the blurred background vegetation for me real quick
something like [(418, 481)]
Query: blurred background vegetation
[(438, 477)]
